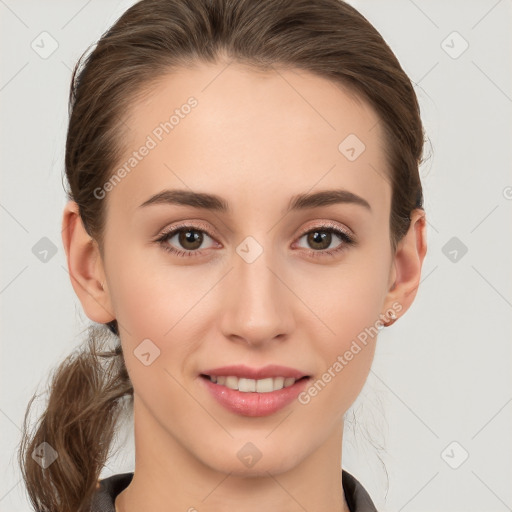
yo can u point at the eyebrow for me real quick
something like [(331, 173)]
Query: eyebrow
[(213, 202)]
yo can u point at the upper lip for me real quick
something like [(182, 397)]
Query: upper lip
[(242, 371)]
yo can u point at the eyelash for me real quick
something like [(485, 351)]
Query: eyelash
[(347, 240)]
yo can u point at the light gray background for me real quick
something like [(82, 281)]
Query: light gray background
[(441, 374)]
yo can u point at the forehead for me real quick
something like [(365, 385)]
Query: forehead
[(229, 129)]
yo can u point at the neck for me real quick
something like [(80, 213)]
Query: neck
[(167, 477)]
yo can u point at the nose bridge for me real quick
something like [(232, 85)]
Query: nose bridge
[(257, 309)]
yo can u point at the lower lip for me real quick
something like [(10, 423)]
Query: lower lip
[(254, 404)]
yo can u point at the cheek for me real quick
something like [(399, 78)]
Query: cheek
[(152, 305), (348, 298), (346, 354), (159, 303), (349, 306), (150, 297)]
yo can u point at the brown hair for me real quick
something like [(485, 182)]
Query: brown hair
[(151, 39)]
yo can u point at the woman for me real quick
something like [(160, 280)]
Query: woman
[(245, 214)]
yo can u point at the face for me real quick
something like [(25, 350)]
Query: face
[(264, 280)]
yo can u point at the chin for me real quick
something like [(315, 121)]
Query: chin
[(249, 461)]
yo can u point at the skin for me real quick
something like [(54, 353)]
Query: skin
[(256, 139)]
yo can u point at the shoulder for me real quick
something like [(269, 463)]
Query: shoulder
[(107, 491), (358, 499)]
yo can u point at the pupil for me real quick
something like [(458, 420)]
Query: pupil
[(191, 237), (319, 237)]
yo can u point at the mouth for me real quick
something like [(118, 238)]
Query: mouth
[(254, 392)]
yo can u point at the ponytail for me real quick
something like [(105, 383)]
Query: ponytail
[(62, 460)]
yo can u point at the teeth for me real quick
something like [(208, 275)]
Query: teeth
[(245, 385), (251, 385), (288, 381), (231, 382)]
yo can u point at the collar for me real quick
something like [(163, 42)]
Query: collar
[(358, 499)]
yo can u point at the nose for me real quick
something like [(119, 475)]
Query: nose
[(258, 305)]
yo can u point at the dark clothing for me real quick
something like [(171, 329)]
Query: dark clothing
[(358, 499)]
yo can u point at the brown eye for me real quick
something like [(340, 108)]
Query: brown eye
[(185, 241), (320, 240), (190, 239)]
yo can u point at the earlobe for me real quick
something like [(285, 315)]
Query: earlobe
[(408, 262), (85, 266)]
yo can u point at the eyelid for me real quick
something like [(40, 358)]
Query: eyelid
[(170, 232), (188, 224), (200, 226), (319, 224)]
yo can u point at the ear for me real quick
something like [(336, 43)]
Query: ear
[(407, 263), (85, 266)]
